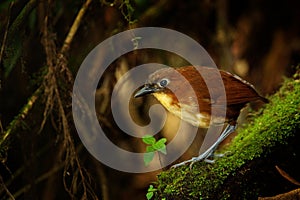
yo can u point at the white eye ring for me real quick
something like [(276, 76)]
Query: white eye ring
[(163, 82)]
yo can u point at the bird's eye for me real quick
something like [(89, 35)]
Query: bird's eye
[(164, 82)]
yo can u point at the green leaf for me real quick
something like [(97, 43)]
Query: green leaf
[(160, 144), (150, 192), (149, 139), (162, 140), (148, 157), (150, 189), (163, 150), (150, 149), (149, 195)]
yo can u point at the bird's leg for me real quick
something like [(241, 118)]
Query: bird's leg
[(227, 131), (209, 152)]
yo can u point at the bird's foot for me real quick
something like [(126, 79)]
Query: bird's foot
[(208, 158), (182, 163), (202, 157), (210, 151)]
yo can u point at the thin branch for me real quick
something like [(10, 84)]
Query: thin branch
[(27, 107), (20, 117), (74, 27), (16, 26), (57, 63), (6, 189), (287, 176)]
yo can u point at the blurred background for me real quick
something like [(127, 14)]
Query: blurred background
[(42, 48)]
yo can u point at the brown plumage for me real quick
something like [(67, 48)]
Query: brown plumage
[(186, 83)]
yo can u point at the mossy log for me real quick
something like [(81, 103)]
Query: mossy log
[(248, 171)]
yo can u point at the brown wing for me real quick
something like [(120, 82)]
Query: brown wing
[(222, 85), (239, 91), (214, 85)]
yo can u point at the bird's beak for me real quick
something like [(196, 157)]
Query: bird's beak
[(146, 89)]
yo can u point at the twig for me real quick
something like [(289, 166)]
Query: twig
[(74, 27), (21, 116), (287, 176), (18, 22), (6, 189), (57, 63), (27, 107)]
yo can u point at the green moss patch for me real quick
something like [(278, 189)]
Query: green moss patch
[(251, 155)]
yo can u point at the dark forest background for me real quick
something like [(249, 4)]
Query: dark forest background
[(43, 43)]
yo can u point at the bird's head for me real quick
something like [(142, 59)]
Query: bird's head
[(158, 82), (173, 89), (173, 84), (169, 86)]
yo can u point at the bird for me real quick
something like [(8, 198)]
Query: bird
[(202, 96)]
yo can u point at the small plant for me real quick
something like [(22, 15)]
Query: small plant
[(150, 192), (153, 146)]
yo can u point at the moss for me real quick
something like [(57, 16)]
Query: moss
[(270, 131)]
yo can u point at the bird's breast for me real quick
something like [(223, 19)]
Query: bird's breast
[(188, 113)]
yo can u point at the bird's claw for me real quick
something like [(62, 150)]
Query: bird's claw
[(200, 158), (182, 163), (210, 151), (194, 160)]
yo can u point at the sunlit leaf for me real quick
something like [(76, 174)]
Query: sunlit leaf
[(148, 139), (148, 157)]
